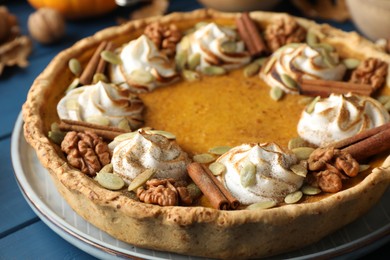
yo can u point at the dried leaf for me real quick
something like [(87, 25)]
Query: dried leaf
[(15, 52)]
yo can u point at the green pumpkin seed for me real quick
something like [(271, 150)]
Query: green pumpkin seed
[(351, 63), (328, 59), (203, 158), (229, 47), (302, 153), (262, 205), (194, 191), (109, 181), (248, 174), (324, 46), (299, 170), (217, 168), (214, 71), (296, 142), (56, 136), (288, 81), (260, 61), (200, 25), (99, 77), (269, 64), (310, 108), (363, 167), (125, 136), (107, 168), (311, 38), (190, 75), (142, 77), (141, 179), (276, 93), (75, 66), (251, 69), (293, 197), (74, 84), (219, 150), (166, 134), (305, 100), (310, 190), (99, 120), (181, 60), (193, 61), (110, 57), (124, 124)]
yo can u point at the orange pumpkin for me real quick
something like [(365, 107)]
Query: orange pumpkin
[(75, 9)]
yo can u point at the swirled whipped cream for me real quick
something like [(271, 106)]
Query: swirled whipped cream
[(299, 60), (104, 104), (143, 66), (340, 116), (273, 177), (217, 46), (149, 151)]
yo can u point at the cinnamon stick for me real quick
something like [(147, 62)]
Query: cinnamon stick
[(366, 143), (323, 88), (106, 132), (218, 195), (90, 70), (250, 34)]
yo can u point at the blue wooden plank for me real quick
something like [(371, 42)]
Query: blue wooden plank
[(14, 210), (38, 241)]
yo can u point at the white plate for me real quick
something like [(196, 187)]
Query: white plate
[(360, 237)]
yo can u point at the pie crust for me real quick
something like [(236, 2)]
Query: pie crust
[(195, 230)]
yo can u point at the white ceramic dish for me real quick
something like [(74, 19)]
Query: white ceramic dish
[(360, 237)]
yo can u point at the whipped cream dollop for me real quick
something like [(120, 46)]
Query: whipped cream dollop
[(273, 177), (340, 116), (149, 151), (143, 66), (217, 45), (299, 60), (102, 103)]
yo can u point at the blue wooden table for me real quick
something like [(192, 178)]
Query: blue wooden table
[(22, 234)]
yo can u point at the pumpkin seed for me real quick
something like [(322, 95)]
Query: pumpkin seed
[(351, 63), (99, 77), (299, 170), (251, 69), (166, 134), (276, 93), (324, 46), (311, 38), (229, 47), (269, 64), (109, 180), (328, 59), (125, 136), (107, 168), (302, 153), (383, 99), (74, 84), (363, 167), (200, 25), (141, 179), (142, 77), (194, 191), (203, 158), (305, 100), (190, 75), (99, 120), (260, 61), (248, 174), (262, 205), (288, 81), (124, 124), (217, 168), (310, 190), (193, 61), (72, 104), (296, 142), (310, 108), (181, 60), (111, 57), (219, 150), (214, 70), (56, 136), (293, 197), (185, 43), (75, 66)]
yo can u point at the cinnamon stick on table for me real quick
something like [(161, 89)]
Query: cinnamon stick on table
[(218, 195), (106, 132), (367, 143), (250, 34), (323, 88)]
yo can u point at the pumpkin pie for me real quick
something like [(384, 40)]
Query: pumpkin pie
[(221, 135)]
